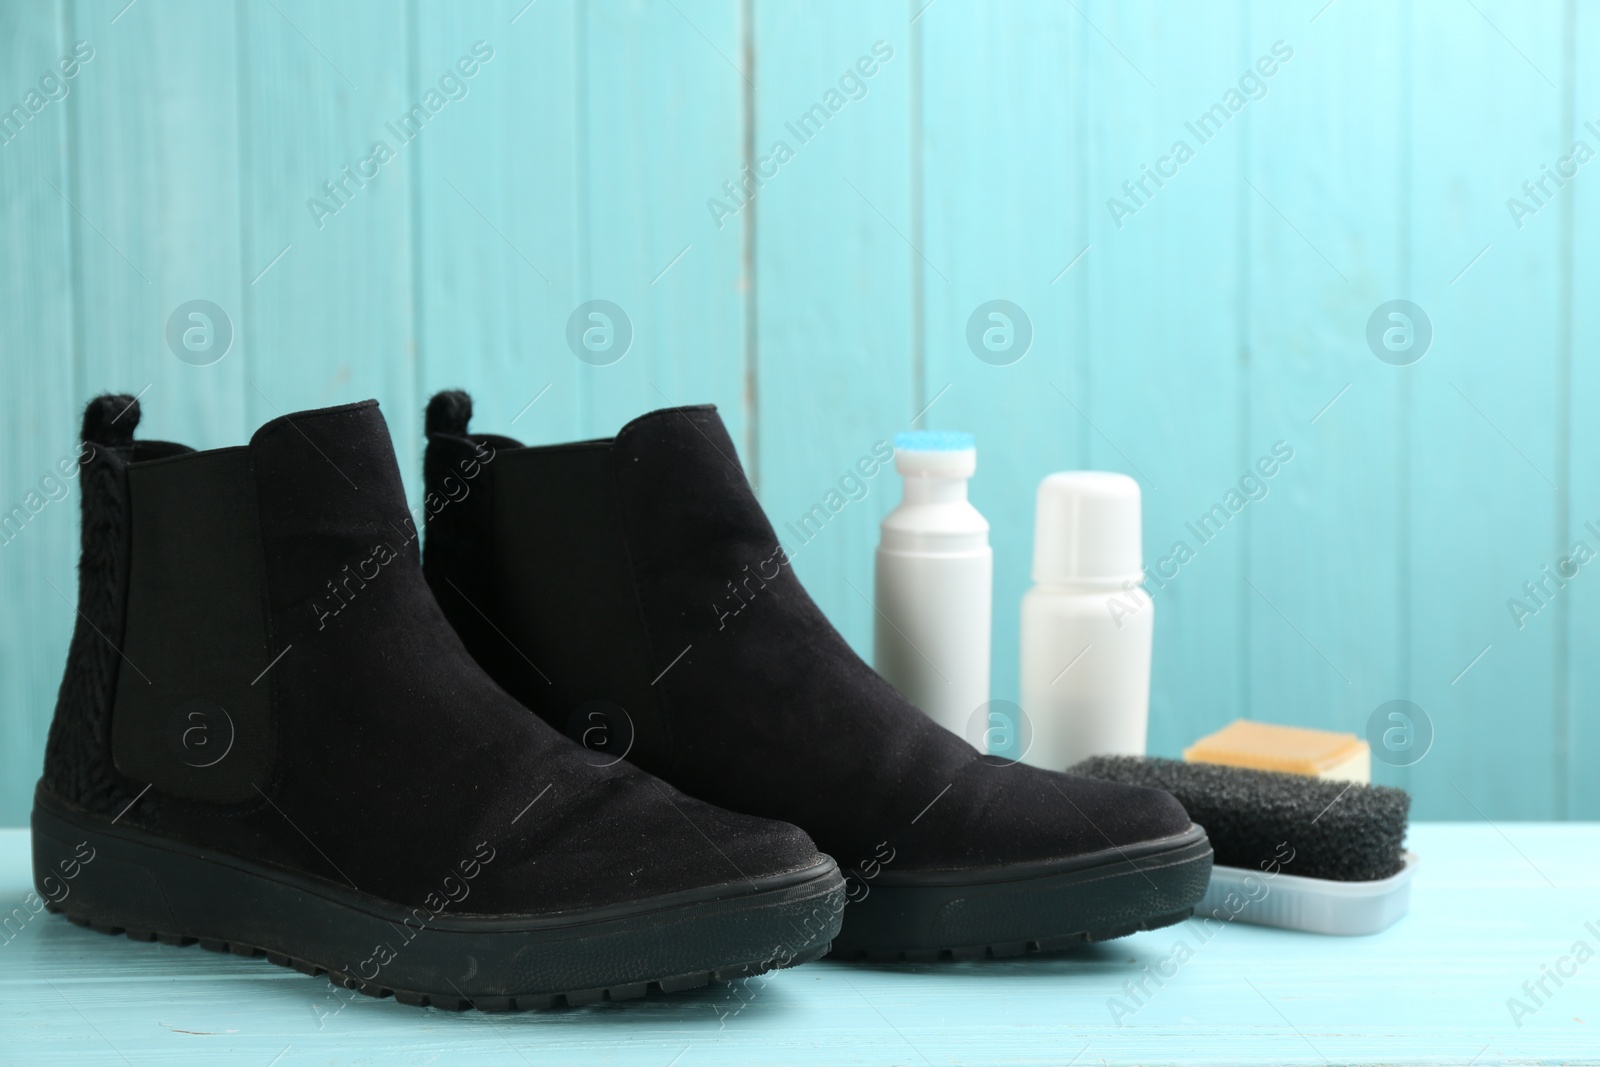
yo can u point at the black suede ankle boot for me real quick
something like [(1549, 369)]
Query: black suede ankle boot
[(614, 565), (269, 740)]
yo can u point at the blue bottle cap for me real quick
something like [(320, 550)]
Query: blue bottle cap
[(932, 441)]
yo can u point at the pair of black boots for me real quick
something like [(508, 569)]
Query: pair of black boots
[(551, 763)]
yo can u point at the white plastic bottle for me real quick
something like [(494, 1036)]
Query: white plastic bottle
[(1087, 623), (934, 582)]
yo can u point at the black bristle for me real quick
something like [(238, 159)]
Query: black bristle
[(449, 412), (1338, 831), (110, 419)]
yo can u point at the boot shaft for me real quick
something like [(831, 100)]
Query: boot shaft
[(259, 668), (198, 573), (577, 608), (642, 575)]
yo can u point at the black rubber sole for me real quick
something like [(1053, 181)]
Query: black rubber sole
[(126, 881), (1022, 908)]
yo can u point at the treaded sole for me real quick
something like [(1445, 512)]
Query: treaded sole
[(1010, 949), (450, 1002), (151, 888), (1007, 911)]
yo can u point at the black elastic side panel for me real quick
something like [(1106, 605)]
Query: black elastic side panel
[(187, 717), (565, 576), (458, 556)]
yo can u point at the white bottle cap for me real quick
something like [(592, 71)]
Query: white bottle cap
[(1086, 529), (940, 453)]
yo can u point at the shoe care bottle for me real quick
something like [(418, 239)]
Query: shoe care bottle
[(1087, 622), (934, 582)]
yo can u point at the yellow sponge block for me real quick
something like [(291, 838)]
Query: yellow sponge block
[(1291, 749)]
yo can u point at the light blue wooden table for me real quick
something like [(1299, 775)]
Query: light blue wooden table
[(1491, 907)]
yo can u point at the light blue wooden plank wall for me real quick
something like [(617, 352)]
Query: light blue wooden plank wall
[(1327, 620), (1488, 423), (37, 344), (1579, 279), (1179, 340)]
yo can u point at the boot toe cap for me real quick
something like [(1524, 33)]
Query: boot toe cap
[(1027, 814), (1124, 814), (753, 848)]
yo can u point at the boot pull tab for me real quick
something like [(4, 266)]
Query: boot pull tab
[(448, 413), (109, 420)]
